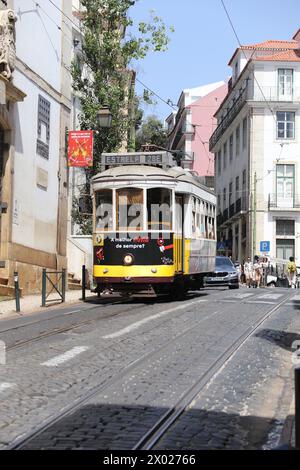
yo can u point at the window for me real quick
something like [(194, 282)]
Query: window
[(285, 185), (285, 227), (285, 248), (231, 147), (159, 209), (219, 204), (225, 155), (285, 125), (224, 199), (104, 210), (230, 194), (237, 186), (43, 128), (219, 162), (237, 141), (129, 204), (285, 83), (244, 132)]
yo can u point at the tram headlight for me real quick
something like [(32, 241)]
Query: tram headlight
[(128, 259)]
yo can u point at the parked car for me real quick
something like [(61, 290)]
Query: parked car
[(225, 274)]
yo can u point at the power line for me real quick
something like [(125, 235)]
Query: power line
[(63, 13), (154, 93), (241, 47)]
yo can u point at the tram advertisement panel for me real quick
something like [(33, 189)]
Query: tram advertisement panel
[(109, 250)]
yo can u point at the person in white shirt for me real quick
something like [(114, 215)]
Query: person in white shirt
[(248, 271)]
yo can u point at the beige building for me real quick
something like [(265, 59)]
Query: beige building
[(35, 109), (256, 146)]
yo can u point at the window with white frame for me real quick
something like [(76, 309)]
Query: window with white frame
[(219, 162), (237, 141), (285, 124), (231, 147), (285, 238), (225, 155), (244, 132), (285, 83)]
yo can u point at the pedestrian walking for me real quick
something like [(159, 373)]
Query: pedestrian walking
[(248, 272), (291, 272), (257, 272)]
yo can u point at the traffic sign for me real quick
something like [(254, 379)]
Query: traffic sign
[(265, 246)]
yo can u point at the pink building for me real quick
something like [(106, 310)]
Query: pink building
[(190, 128)]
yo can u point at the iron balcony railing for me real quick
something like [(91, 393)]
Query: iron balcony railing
[(234, 209), (227, 120), (277, 202)]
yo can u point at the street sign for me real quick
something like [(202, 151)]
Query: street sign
[(264, 247), (137, 158)]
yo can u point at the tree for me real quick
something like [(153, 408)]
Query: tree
[(102, 77), (151, 132)]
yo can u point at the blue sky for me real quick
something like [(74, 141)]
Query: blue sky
[(204, 41)]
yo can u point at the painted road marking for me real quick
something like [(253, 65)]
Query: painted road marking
[(270, 296), (5, 385), (260, 302), (243, 296), (296, 297), (57, 360), (135, 326)]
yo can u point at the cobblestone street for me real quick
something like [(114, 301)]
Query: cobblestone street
[(105, 383)]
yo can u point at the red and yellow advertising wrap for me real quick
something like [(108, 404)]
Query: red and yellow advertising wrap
[(80, 148)]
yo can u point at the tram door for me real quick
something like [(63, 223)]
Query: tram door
[(179, 236)]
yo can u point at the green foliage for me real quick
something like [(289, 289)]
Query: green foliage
[(151, 132), (101, 75)]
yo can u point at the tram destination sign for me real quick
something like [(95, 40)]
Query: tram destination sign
[(140, 158)]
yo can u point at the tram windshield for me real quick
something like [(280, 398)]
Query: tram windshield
[(159, 209), (104, 209), (129, 208)]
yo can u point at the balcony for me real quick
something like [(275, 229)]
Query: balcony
[(227, 120), (233, 213), (276, 202), (272, 93)]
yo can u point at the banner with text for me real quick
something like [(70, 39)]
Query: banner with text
[(80, 148)]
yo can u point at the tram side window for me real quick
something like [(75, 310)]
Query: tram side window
[(104, 209), (159, 209), (194, 222), (129, 205)]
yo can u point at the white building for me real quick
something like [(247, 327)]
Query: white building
[(257, 146), (34, 176)]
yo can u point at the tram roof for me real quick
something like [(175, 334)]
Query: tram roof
[(142, 172)]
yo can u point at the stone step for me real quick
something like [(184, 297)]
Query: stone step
[(8, 291), (74, 286)]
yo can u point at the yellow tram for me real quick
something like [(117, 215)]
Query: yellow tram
[(154, 227)]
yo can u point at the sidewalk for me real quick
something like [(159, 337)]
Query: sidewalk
[(32, 303)]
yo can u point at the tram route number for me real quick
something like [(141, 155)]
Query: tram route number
[(150, 459)]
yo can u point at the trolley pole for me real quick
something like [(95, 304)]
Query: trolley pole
[(83, 282), (17, 291)]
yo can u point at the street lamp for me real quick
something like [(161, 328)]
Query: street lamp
[(104, 117)]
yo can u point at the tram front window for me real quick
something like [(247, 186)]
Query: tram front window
[(159, 209), (104, 210), (129, 203)]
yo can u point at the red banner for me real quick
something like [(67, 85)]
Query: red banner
[(80, 148)]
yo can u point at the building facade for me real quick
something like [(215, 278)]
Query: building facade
[(190, 128), (36, 114), (256, 146)]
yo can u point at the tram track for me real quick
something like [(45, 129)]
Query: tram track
[(63, 329), (164, 423)]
